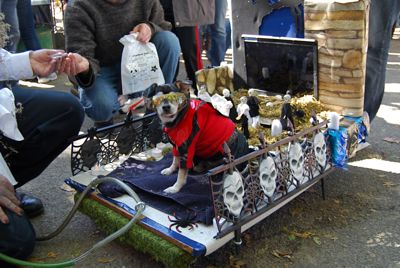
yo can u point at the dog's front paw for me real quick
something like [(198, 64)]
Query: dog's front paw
[(173, 189), (167, 171)]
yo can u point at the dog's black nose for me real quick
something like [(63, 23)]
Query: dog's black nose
[(166, 107)]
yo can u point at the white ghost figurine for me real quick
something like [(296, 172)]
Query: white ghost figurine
[(276, 127), (333, 121), (221, 104), (203, 94)]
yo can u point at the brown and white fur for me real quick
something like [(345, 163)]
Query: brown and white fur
[(168, 112)]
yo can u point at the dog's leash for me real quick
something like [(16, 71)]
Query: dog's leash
[(133, 106)]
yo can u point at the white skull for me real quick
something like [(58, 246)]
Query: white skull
[(233, 192), (320, 149), (296, 161), (268, 175)]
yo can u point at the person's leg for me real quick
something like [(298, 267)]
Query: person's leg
[(100, 101), (17, 237), (168, 49), (47, 122), (27, 25), (228, 31), (383, 15), (218, 34), (9, 9), (188, 41)]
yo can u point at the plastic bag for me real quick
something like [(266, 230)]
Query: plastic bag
[(140, 67), (338, 140)]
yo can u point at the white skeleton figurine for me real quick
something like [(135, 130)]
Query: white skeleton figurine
[(254, 108), (226, 92), (232, 112), (287, 97), (233, 192), (243, 109)]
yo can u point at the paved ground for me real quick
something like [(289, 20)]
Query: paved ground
[(356, 226)]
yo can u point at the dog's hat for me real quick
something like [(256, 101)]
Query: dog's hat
[(178, 86)]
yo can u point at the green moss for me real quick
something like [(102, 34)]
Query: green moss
[(140, 239)]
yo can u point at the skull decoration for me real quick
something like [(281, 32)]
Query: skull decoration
[(320, 150), (233, 192), (296, 161), (268, 175), (89, 151), (126, 139)]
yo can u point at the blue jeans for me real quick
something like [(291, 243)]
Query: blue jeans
[(218, 34), (100, 101), (9, 9), (383, 15), (27, 25)]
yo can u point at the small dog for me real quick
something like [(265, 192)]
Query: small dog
[(196, 130)]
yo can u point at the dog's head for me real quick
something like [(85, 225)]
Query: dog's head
[(168, 100)]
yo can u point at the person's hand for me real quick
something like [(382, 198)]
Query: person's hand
[(8, 199), (144, 32), (73, 64), (43, 61)]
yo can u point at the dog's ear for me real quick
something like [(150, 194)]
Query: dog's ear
[(150, 91), (148, 95), (184, 86)]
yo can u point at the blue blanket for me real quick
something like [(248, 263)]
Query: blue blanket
[(194, 199)]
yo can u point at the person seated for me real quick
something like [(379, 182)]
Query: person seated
[(93, 30), (32, 136)]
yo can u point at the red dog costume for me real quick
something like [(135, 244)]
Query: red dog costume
[(200, 133)]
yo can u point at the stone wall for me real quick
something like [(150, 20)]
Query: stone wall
[(341, 29)]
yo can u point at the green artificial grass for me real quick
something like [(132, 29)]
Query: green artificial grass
[(139, 238)]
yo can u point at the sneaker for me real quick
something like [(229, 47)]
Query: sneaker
[(50, 77)]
